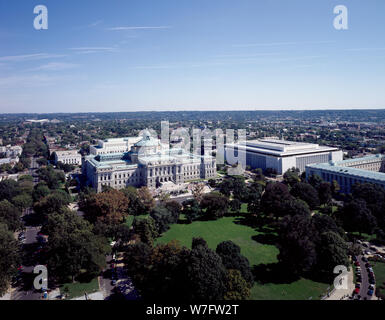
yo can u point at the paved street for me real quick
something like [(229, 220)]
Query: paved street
[(25, 290), (365, 280), (105, 280), (32, 170)]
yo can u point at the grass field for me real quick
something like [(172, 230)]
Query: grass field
[(229, 228), (220, 230), (302, 289), (77, 289), (379, 272)]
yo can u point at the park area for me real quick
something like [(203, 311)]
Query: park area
[(379, 272), (257, 244), (77, 289)]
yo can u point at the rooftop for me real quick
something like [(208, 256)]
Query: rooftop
[(343, 167), (278, 147)]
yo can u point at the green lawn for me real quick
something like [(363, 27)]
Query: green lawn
[(224, 229), (302, 289), (220, 230), (379, 272), (77, 289)]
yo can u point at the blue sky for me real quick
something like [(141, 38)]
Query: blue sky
[(129, 55)]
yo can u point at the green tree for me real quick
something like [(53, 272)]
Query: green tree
[(191, 210), (291, 177), (207, 277), (237, 287), (233, 259), (297, 251), (10, 216), (297, 206), (275, 198), (73, 249), (332, 251), (8, 189), (146, 198), (52, 177), (215, 204), (110, 207), (54, 202), (40, 191), (307, 193), (356, 216), (325, 193), (163, 218), (146, 230), (23, 201), (9, 257), (135, 205)]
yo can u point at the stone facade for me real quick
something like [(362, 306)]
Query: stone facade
[(281, 155), (148, 163), (68, 157)]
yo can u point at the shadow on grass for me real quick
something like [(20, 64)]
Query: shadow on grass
[(266, 238), (272, 273)]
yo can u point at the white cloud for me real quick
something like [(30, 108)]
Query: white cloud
[(94, 24), (55, 66), (27, 81), (85, 50), (29, 57), (271, 44), (365, 49)]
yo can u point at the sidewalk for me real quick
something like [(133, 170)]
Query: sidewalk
[(92, 296), (341, 294), (6, 296)]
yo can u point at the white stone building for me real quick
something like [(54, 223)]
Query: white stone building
[(114, 145), (11, 151), (147, 163), (68, 157), (280, 155)]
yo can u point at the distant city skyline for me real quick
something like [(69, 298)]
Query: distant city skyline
[(121, 56)]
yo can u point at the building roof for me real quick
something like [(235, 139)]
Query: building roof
[(67, 152), (147, 141), (281, 148), (342, 167)]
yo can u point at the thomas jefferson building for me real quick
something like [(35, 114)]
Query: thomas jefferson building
[(148, 163)]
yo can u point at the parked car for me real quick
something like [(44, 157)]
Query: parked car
[(364, 259), (354, 258), (356, 291), (370, 292), (356, 263), (358, 285), (372, 281), (371, 287)]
